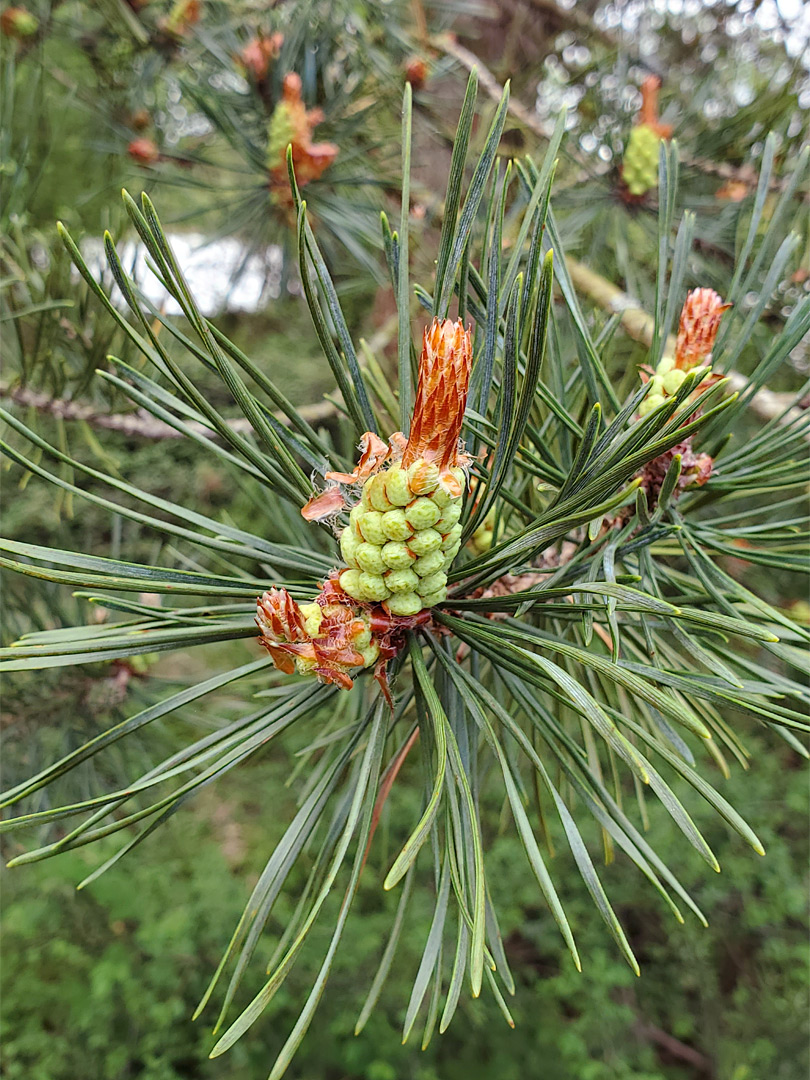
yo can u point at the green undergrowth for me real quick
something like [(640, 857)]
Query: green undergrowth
[(102, 982)]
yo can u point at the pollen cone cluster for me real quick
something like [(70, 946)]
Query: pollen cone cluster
[(293, 124), (404, 533), (699, 323), (402, 536), (697, 330), (640, 162)]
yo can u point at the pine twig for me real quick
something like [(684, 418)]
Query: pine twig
[(447, 44), (140, 424)]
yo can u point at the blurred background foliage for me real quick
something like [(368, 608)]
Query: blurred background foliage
[(159, 95)]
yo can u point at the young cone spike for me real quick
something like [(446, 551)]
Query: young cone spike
[(640, 165), (697, 330), (404, 532)]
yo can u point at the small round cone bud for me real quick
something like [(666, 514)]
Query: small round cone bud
[(423, 477), (350, 583), (372, 587), (423, 513), (429, 564), (349, 544), (313, 617), (375, 490), (397, 487), (425, 541), (672, 381), (398, 556), (370, 525), (452, 538), (449, 518), (17, 22), (430, 600), (369, 558), (432, 584), (402, 581), (395, 525), (407, 603)]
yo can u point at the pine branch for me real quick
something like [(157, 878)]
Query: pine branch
[(447, 44), (140, 424)]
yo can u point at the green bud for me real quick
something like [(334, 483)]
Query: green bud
[(401, 581), (349, 581), (450, 554), (369, 558), (348, 546), (313, 616), (375, 488), (640, 164), (667, 364), (373, 587), (404, 603), (425, 541), (450, 516), (650, 402), (395, 525), (423, 513), (452, 537), (423, 477), (432, 583), (434, 598), (442, 498), (396, 486), (370, 653), (397, 556), (429, 564), (673, 380), (371, 528), (305, 666)]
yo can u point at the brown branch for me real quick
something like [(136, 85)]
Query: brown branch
[(142, 424), (639, 325), (681, 1051), (576, 18), (447, 44)]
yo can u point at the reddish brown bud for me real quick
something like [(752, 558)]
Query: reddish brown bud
[(700, 321), (141, 119), (441, 394), (144, 151), (416, 71), (648, 114), (258, 53), (17, 22)]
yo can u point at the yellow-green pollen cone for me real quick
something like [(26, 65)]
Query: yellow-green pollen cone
[(405, 530), (640, 162), (697, 330), (400, 556)]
